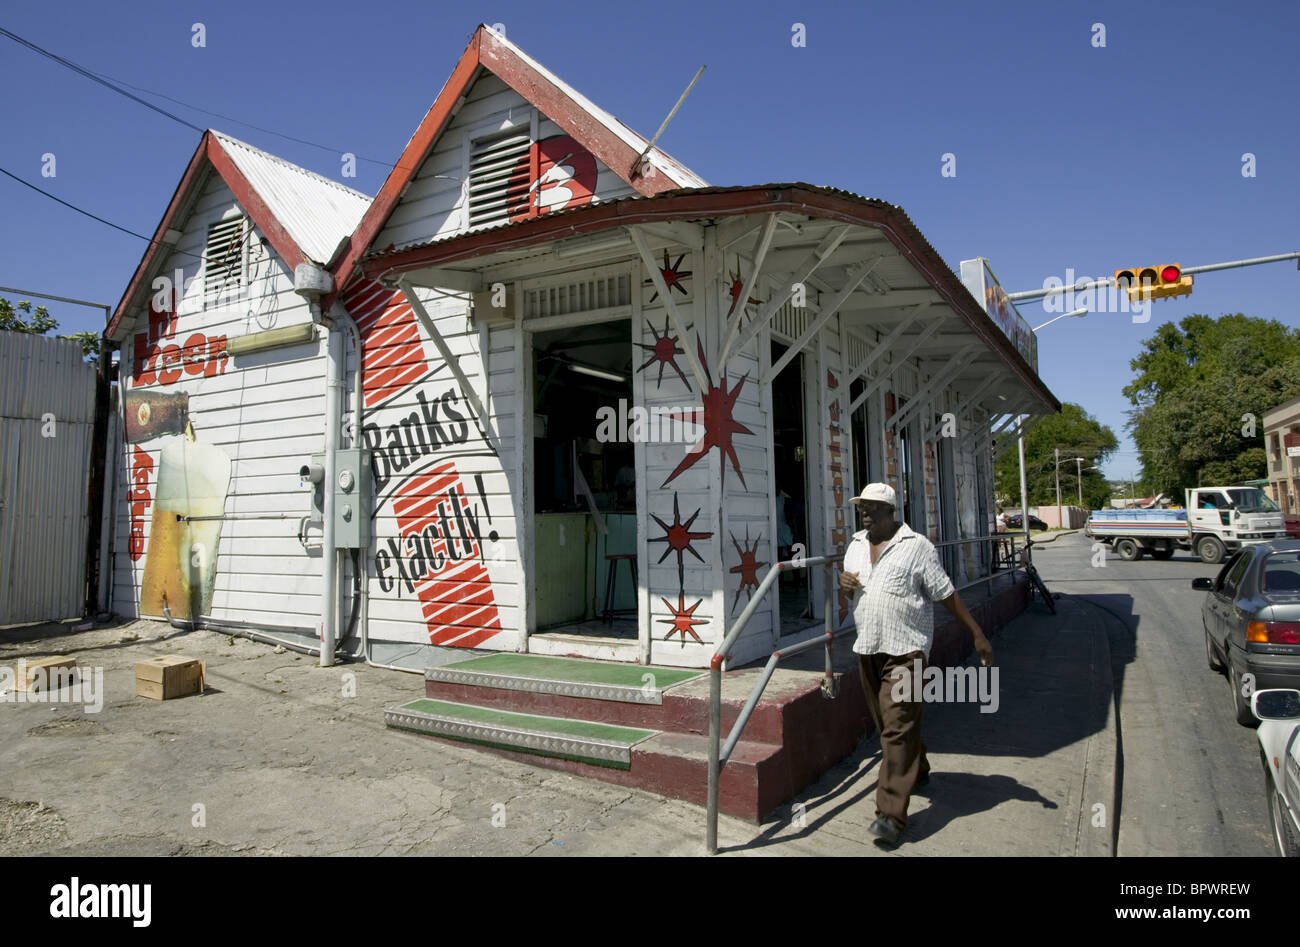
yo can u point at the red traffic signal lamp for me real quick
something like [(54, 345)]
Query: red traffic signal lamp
[(1154, 282)]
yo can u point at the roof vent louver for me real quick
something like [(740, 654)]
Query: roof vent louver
[(225, 259), (498, 178)]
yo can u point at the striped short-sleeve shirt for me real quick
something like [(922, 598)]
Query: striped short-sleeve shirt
[(892, 609)]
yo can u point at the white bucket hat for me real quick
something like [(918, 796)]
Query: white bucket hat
[(878, 493)]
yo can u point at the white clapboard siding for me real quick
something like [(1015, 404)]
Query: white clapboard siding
[(433, 205), (265, 410)]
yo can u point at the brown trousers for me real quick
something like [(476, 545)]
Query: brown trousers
[(902, 751)]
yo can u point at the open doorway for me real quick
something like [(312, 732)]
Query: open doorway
[(584, 482), (790, 462)]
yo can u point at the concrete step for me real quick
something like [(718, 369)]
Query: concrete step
[(666, 699), (567, 677), (584, 741), (755, 780)]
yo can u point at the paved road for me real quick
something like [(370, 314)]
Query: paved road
[(1191, 781)]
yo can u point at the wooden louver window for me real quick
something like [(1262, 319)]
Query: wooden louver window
[(224, 258), (498, 178)]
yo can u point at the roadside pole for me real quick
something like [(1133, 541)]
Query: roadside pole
[(1024, 494)]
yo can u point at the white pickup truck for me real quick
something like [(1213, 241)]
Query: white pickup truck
[(1216, 521)]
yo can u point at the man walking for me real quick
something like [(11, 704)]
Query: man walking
[(895, 574)]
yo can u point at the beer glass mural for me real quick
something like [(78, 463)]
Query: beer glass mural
[(188, 506)]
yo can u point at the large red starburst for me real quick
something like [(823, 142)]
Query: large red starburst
[(672, 277), (679, 537), (737, 287), (719, 425), (665, 352), (683, 620), (748, 567)]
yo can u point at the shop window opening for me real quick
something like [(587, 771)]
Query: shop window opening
[(584, 482), (790, 456)]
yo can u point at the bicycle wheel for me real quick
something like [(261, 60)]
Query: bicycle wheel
[(1037, 582)]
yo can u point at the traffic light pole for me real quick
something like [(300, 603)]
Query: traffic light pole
[(1186, 271)]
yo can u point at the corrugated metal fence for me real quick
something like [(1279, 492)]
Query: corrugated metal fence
[(47, 414)]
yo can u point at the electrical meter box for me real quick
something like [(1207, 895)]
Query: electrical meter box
[(353, 496)]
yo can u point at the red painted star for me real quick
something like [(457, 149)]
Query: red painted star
[(683, 619), (748, 567), (672, 277), (665, 352), (679, 537), (719, 425), (737, 287)]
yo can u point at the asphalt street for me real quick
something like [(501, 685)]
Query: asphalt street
[(1190, 778)]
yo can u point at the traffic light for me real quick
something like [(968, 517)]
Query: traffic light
[(1154, 282)]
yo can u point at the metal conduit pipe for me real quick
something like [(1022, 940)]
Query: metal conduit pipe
[(361, 609), (249, 630)]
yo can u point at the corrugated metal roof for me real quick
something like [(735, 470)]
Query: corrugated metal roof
[(660, 158), (635, 198), (43, 478), (318, 213)]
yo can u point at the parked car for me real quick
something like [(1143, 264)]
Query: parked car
[(1279, 749), (1014, 522), (1251, 618)]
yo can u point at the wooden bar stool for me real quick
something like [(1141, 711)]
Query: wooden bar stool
[(610, 612)]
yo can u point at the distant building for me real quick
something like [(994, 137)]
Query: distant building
[(1282, 431)]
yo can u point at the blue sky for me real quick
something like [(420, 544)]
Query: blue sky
[(1067, 155)]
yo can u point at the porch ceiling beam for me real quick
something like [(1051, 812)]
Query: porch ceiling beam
[(801, 274), (889, 340), (971, 402), (896, 363), (761, 246), (735, 229), (819, 284), (1025, 427), (936, 383), (679, 324), (679, 232), (432, 277), (855, 280), (417, 307), (898, 298)]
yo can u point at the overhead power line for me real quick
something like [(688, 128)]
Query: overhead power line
[(116, 85), (94, 78), (86, 213)]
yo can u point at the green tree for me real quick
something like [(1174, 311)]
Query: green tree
[(1077, 434), (23, 317), (1199, 396)]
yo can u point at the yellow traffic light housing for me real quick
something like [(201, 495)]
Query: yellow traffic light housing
[(1154, 282)]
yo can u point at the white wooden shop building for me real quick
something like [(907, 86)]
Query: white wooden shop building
[(566, 357)]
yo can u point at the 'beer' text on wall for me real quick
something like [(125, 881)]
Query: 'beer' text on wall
[(165, 364), (139, 498)]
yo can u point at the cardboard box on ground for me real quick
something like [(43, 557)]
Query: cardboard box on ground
[(169, 676)]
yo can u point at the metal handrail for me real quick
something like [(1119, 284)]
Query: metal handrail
[(720, 753)]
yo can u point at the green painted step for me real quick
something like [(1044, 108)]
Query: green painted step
[(582, 740), (568, 677)]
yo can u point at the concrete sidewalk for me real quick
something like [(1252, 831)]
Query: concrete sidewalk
[(1036, 777), (281, 757)]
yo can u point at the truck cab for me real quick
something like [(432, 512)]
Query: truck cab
[(1237, 515)]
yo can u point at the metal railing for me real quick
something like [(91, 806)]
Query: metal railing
[(720, 752)]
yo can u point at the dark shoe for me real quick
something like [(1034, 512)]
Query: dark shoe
[(886, 831)]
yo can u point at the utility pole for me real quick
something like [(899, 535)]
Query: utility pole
[(1058, 487), (1078, 463)]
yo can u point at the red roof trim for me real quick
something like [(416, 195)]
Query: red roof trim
[(211, 150), (187, 181), (283, 244), (695, 204), (562, 109), (486, 50)]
